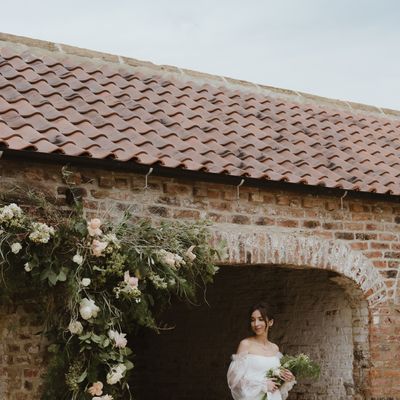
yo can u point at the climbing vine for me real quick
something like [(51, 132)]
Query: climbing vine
[(99, 278)]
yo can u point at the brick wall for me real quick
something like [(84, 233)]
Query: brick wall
[(21, 351), (356, 238)]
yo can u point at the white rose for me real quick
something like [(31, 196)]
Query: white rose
[(85, 282), (88, 309), (116, 374), (75, 327), (16, 247), (118, 338), (78, 259), (27, 267)]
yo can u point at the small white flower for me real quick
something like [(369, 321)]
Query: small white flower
[(78, 259), (75, 327), (157, 280), (88, 309), (41, 233), (27, 267), (85, 282), (16, 247)]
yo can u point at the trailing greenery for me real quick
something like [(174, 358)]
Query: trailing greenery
[(99, 279)]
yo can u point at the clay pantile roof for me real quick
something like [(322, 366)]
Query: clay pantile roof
[(64, 100)]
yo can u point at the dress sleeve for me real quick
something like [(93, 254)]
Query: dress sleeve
[(241, 384), (286, 386)]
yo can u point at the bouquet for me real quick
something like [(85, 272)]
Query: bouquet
[(300, 366)]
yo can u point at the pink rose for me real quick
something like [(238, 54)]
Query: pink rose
[(96, 389), (93, 227), (98, 247), (130, 280)]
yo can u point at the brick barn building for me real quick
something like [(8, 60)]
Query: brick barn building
[(304, 190)]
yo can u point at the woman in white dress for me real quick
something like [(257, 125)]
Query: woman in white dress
[(254, 357)]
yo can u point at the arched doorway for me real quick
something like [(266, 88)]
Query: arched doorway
[(322, 292), (316, 312)]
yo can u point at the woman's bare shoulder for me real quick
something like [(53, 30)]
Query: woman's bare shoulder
[(244, 345), (275, 347)]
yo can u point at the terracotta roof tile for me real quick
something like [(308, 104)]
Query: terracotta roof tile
[(83, 104)]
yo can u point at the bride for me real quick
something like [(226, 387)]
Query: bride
[(254, 357)]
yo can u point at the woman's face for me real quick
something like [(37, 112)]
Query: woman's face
[(257, 322)]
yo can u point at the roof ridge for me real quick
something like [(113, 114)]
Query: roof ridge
[(197, 76)]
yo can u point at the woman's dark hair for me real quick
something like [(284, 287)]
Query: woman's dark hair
[(264, 311)]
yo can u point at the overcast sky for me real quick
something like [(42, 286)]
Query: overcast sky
[(344, 49)]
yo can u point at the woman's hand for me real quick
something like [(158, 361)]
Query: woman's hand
[(286, 375), (271, 385)]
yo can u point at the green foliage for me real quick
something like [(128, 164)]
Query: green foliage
[(101, 278), (301, 366)]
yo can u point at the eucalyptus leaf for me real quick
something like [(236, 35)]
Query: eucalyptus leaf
[(82, 377)]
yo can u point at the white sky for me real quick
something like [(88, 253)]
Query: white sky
[(345, 49)]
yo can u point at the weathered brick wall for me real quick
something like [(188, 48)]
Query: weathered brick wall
[(21, 351), (357, 238)]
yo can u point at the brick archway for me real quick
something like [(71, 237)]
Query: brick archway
[(325, 292), (258, 245)]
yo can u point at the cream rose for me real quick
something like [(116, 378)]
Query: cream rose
[(116, 374), (88, 309), (85, 282), (16, 247), (77, 259), (75, 327), (98, 247), (93, 227)]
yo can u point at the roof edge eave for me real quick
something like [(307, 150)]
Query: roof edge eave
[(179, 173)]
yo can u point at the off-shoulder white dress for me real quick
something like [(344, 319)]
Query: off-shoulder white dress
[(246, 377)]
